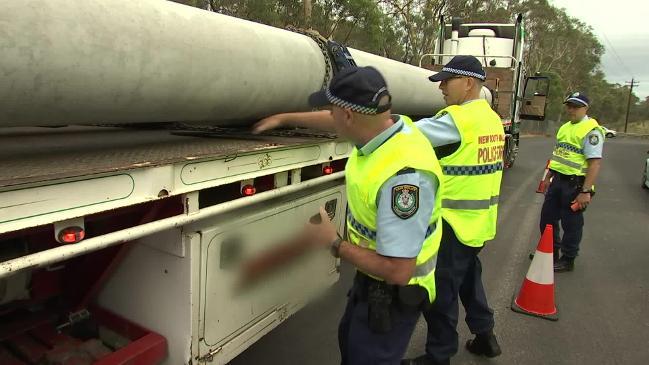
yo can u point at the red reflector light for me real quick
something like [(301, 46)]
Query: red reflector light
[(248, 190), (327, 170), (72, 235)]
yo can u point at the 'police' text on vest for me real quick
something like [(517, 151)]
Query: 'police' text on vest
[(488, 154)]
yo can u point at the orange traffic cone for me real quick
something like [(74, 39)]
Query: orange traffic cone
[(541, 188), (536, 296)]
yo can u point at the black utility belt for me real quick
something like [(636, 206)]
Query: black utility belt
[(564, 177), (383, 299), (409, 295)]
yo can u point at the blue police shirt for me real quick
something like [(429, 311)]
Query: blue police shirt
[(397, 237), (593, 143), (440, 131)]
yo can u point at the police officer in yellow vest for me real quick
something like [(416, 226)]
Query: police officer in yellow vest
[(393, 219), (468, 138), (574, 166)]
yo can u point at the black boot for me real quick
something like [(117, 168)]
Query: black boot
[(484, 344), (424, 360), (564, 264)]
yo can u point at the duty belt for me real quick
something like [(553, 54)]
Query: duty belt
[(560, 176)]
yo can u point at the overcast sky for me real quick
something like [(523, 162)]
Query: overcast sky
[(622, 26)]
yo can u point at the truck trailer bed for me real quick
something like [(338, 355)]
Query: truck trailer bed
[(40, 154)]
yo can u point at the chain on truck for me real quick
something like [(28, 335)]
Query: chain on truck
[(132, 193)]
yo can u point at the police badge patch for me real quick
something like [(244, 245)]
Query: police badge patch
[(593, 139), (405, 200)]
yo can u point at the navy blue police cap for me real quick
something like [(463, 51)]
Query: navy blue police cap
[(460, 66), (357, 88), (577, 98)]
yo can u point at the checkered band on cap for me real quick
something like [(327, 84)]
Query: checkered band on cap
[(347, 105), (576, 101), (463, 73)]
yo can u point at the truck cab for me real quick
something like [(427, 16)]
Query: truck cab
[(500, 48)]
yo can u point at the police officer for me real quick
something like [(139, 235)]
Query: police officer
[(469, 140), (574, 167), (393, 220)]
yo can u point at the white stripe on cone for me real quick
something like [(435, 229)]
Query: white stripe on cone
[(541, 270)]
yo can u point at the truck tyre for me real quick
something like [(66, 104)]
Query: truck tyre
[(510, 150)]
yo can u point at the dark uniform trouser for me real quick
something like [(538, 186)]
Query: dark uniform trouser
[(458, 272), (556, 207), (361, 346)]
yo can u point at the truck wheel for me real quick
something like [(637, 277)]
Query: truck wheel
[(511, 150)]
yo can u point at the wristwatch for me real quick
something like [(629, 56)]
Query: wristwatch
[(590, 191), (334, 247)]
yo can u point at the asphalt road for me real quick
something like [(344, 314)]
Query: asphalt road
[(603, 305)]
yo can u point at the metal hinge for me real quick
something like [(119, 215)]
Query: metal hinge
[(209, 357)]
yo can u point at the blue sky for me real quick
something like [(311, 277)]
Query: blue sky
[(622, 26)]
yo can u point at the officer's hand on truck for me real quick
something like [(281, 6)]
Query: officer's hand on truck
[(320, 232), (268, 123)]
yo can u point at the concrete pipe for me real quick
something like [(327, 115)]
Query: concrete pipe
[(123, 61)]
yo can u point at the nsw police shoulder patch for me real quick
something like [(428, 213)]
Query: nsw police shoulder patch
[(593, 139), (405, 200)]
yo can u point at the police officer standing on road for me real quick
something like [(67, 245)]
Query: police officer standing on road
[(393, 220), (468, 138), (574, 167)]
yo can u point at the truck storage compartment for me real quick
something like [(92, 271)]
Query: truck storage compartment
[(233, 317), (48, 316), (98, 338), (183, 283)]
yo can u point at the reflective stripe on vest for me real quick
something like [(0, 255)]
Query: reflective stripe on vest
[(470, 204), (574, 165), (426, 268)]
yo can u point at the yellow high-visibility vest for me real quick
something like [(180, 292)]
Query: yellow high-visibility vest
[(568, 155), (365, 175), (473, 173)]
